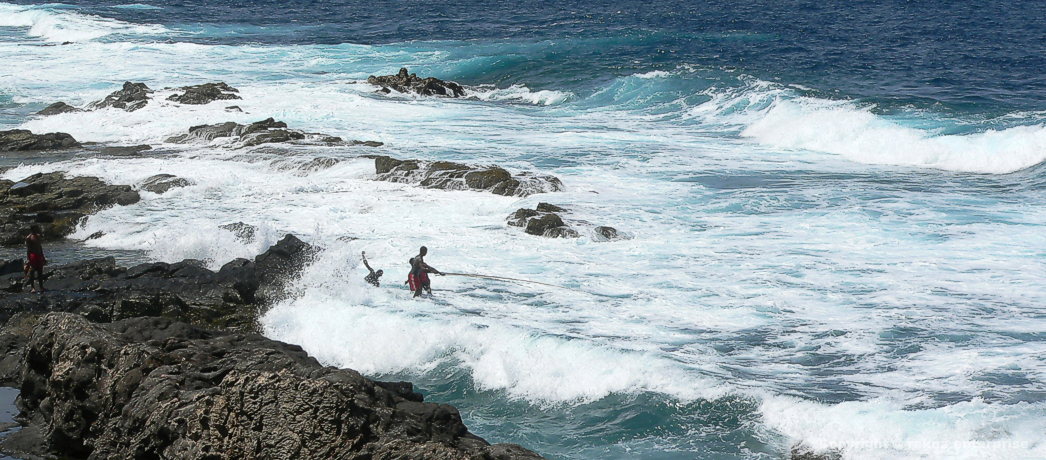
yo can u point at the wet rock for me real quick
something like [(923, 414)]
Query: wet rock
[(233, 108), (445, 175), (550, 225), (244, 232), (405, 82), (131, 97), (57, 108), (55, 202), (157, 388), (205, 93), (24, 140), (546, 221), (268, 131), (608, 233), (124, 151), (802, 452), (545, 207), (161, 183)]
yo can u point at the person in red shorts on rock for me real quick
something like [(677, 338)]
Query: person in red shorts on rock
[(35, 253)]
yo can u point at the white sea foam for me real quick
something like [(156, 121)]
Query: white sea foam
[(59, 26), (521, 93)]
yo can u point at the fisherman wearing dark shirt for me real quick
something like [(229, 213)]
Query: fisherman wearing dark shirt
[(35, 255), (372, 278)]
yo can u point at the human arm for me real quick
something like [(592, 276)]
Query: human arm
[(365, 264)]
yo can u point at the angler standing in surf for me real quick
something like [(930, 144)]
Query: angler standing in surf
[(35, 255), (419, 270)]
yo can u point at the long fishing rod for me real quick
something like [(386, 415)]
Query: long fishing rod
[(504, 278)]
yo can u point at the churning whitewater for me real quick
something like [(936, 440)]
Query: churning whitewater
[(859, 273)]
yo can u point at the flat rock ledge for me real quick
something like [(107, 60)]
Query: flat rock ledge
[(445, 175), (231, 298), (55, 202), (268, 131), (405, 82), (158, 388), (22, 140), (545, 220)]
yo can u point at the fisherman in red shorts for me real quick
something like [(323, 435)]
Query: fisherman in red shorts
[(35, 253), (419, 273)]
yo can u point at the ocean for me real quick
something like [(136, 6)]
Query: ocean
[(833, 211)]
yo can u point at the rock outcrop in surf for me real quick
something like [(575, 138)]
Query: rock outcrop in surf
[(55, 202), (131, 97), (205, 94), (157, 388), (405, 82), (57, 108), (445, 175), (161, 183), (545, 220), (22, 140), (268, 131)]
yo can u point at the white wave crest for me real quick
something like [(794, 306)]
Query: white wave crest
[(59, 26), (519, 93)]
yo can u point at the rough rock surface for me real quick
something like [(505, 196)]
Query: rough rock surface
[(25, 140), (545, 220), (244, 232), (156, 388), (205, 93), (161, 183), (57, 108), (125, 150), (102, 291), (131, 97), (268, 131), (54, 202), (405, 82), (454, 176)]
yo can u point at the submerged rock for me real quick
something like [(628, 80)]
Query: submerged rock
[(545, 220), (24, 140), (131, 97), (205, 93), (161, 183), (55, 202), (454, 176), (244, 232), (124, 151), (157, 388), (57, 108), (405, 82)]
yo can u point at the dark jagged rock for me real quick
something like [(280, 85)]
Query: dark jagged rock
[(161, 183), (57, 108), (156, 388), (233, 108), (205, 93), (546, 221), (405, 82), (454, 176), (125, 151), (24, 140), (244, 232), (54, 202), (802, 452), (131, 97), (230, 298), (268, 131)]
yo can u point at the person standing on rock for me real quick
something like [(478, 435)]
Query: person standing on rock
[(419, 270), (372, 278), (35, 254)]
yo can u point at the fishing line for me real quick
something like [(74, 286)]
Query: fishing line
[(504, 278)]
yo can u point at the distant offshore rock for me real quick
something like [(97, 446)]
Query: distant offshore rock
[(205, 93), (57, 108), (405, 82), (545, 220), (267, 131), (131, 97), (445, 175), (161, 183), (21, 140), (54, 202)]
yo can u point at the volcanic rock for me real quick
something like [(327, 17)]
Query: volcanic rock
[(268, 131), (54, 202), (132, 97), (57, 108), (546, 221), (445, 175), (25, 140), (244, 232), (205, 93), (125, 151), (410, 83), (157, 388), (161, 183)]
